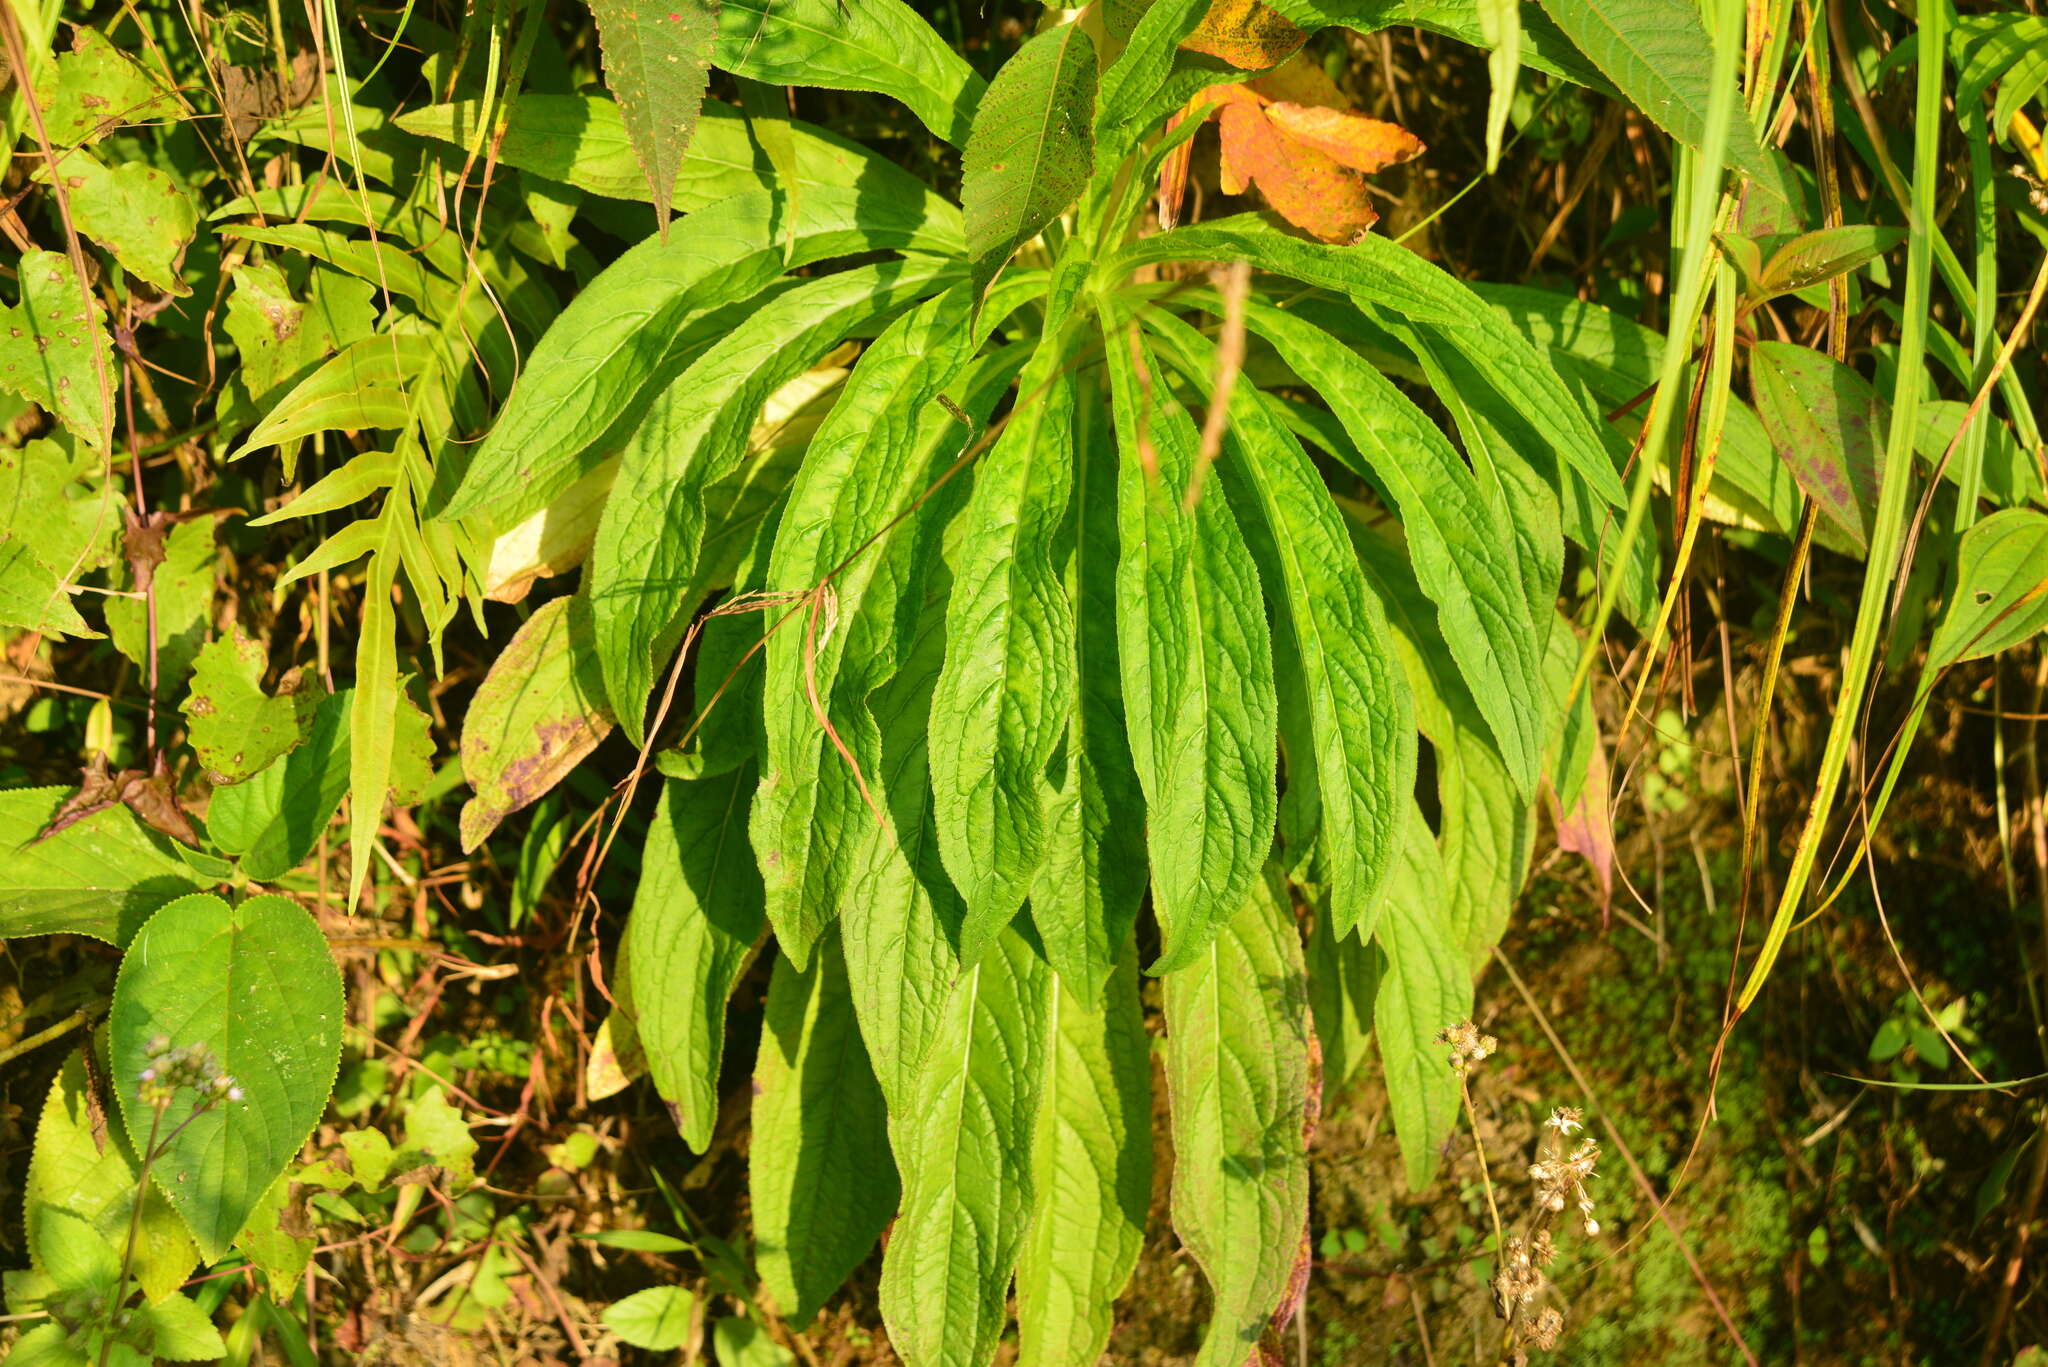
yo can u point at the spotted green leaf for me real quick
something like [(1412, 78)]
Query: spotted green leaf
[(657, 60), (1032, 147), (537, 713), (236, 727), (54, 349)]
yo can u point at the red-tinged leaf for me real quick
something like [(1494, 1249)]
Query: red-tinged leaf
[(1829, 426), (1246, 34), (1348, 139), (1305, 187), (656, 61), (1588, 828)]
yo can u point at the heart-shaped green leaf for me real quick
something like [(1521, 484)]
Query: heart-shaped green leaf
[(255, 988)]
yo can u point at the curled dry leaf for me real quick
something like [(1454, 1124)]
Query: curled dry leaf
[(1293, 135)]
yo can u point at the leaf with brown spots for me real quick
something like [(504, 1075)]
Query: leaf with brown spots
[(1245, 33), (537, 714), (47, 344), (657, 56), (236, 727), (136, 212), (95, 88)]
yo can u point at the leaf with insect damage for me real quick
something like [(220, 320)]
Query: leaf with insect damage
[(2001, 596), (236, 727), (656, 60)]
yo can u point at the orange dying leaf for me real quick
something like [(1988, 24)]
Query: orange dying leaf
[(1348, 139), (1292, 133), (1246, 34), (1305, 187)]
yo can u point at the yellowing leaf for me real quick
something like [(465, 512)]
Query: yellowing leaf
[(1246, 34)]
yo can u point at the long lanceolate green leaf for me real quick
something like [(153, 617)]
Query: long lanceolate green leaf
[(1361, 723), (1658, 54), (1197, 665), (1089, 887), (1002, 701), (964, 1150), (1463, 554), (879, 45), (1237, 1072), (1092, 1169), (819, 1172), (626, 333), (902, 916), (849, 543), (694, 435), (1425, 988), (1383, 278), (656, 62), (696, 918)]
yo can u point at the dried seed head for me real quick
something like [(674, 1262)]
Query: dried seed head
[(1546, 1329), (1566, 1120)]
